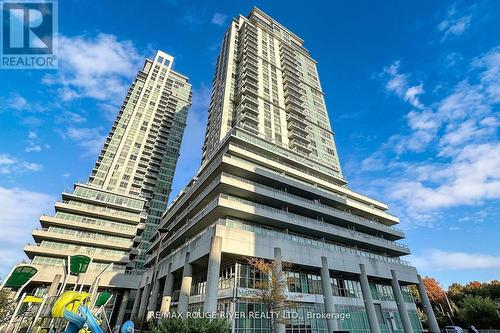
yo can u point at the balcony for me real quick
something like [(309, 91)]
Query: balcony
[(249, 74), (250, 65), (249, 90), (300, 128), (292, 88), (75, 237), (108, 228), (249, 189), (259, 213), (140, 228), (250, 83), (310, 242), (250, 31), (299, 135), (250, 100), (249, 108), (300, 146), (250, 48), (292, 93), (33, 250), (295, 118), (291, 100), (251, 118), (290, 71), (97, 211)]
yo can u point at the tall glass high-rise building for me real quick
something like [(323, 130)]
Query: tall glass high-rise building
[(112, 217), (270, 186)]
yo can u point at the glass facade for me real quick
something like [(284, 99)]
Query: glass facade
[(302, 316)]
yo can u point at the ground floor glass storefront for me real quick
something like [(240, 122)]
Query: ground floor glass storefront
[(355, 319), (346, 289)]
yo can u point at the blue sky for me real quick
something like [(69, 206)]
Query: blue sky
[(412, 89)]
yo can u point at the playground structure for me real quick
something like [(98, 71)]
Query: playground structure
[(59, 310)]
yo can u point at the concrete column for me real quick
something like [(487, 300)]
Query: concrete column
[(123, 309), (403, 313), (280, 327), (367, 297), (187, 278), (54, 286), (213, 272), (144, 301), (52, 292), (429, 312), (328, 295), (168, 290), (137, 300)]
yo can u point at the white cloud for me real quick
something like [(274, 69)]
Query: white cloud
[(219, 19), (73, 117), (28, 206), (398, 83), (456, 21), (470, 178), (90, 139), (33, 148), (19, 104), (457, 133), (98, 67), (11, 165), (438, 260), (33, 143)]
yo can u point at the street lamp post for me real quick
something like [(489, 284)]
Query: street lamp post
[(161, 237)]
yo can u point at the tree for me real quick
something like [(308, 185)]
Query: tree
[(455, 291), (480, 312), (434, 290), (271, 291), (6, 307), (190, 325)]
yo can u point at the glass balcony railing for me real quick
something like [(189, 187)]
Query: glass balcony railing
[(345, 214), (308, 241), (302, 219)]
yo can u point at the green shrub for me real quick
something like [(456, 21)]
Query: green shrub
[(479, 311), (191, 325)]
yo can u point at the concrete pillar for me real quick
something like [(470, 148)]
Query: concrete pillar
[(280, 327), (123, 309), (367, 297), (52, 292), (54, 286), (429, 312), (144, 301), (213, 272), (403, 313), (187, 278), (328, 295), (137, 300), (168, 290)]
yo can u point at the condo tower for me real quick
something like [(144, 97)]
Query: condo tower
[(270, 186), (112, 217)]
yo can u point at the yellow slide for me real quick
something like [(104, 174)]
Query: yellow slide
[(71, 301)]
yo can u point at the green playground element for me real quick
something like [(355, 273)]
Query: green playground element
[(20, 276), (78, 264), (102, 298)]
